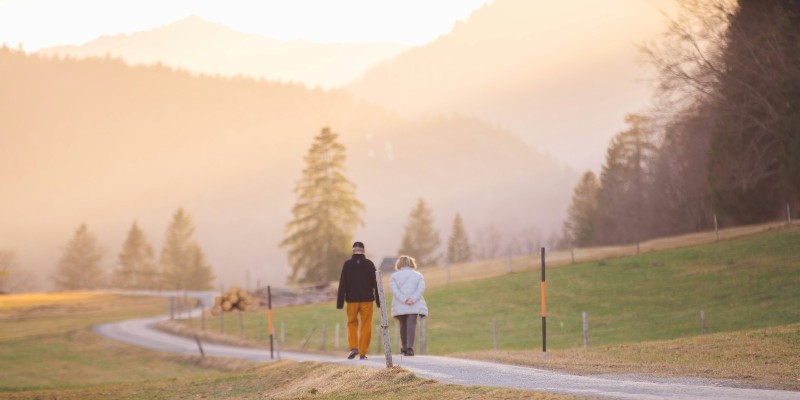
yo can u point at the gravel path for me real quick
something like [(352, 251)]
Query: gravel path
[(140, 332)]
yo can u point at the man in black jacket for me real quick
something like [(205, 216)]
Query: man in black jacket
[(357, 286)]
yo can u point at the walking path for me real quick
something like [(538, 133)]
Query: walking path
[(141, 332)]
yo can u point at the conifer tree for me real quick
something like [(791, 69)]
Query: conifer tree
[(420, 240), (325, 216), (581, 213), (136, 267), (621, 216), (79, 267), (182, 264), (201, 275), (458, 249)]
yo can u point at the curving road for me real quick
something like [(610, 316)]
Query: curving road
[(140, 332)]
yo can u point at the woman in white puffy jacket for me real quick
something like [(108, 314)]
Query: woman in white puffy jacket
[(407, 286)]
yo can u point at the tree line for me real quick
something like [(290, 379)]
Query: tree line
[(326, 213), (723, 140), (182, 265)]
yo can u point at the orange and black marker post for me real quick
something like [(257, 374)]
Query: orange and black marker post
[(544, 311), (269, 318)]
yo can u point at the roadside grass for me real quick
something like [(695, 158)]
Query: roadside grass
[(46, 342), (289, 379), (744, 283)]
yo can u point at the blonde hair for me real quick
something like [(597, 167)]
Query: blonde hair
[(405, 261)]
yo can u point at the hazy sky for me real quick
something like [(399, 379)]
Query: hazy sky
[(45, 23)]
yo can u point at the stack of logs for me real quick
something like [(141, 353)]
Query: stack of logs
[(235, 299)]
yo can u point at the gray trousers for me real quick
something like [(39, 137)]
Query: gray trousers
[(408, 328)]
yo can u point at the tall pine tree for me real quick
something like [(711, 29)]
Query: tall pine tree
[(581, 213), (621, 213), (325, 216), (79, 267), (458, 249), (182, 264), (421, 240), (136, 267)]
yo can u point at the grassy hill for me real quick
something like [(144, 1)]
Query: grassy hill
[(745, 283)]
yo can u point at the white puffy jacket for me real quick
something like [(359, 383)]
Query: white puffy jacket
[(407, 283)]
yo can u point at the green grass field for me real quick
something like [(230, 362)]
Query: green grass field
[(743, 283)]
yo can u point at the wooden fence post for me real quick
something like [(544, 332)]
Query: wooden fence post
[(199, 346), (387, 346), (423, 335), (716, 227), (186, 302), (494, 332), (788, 214), (585, 330), (269, 322), (702, 322), (322, 337)]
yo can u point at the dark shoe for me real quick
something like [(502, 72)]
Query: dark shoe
[(410, 352), (362, 358), (352, 354), (403, 351)]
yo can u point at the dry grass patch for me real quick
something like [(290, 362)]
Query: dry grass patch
[(292, 380), (757, 358)]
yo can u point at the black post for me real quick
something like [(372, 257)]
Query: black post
[(269, 314), (544, 313)]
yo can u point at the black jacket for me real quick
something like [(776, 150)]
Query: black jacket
[(357, 283)]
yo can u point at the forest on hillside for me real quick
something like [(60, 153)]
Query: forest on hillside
[(723, 144)]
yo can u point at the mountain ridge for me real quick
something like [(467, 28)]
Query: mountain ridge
[(206, 47)]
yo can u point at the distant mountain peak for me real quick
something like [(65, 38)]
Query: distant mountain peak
[(202, 46)]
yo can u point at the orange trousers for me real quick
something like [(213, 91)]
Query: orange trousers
[(359, 338)]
